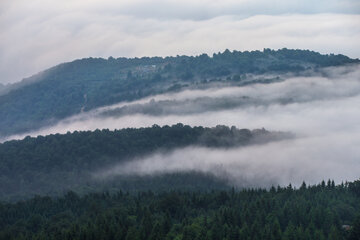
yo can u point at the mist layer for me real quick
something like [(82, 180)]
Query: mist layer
[(320, 108)]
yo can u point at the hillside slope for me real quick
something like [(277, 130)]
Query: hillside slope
[(85, 84)]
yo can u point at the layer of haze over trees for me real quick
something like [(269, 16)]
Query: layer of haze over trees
[(85, 84)]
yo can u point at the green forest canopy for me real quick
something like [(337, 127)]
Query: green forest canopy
[(320, 212)]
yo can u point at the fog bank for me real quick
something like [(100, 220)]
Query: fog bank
[(279, 163)]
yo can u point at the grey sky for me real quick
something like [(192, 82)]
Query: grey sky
[(39, 34)]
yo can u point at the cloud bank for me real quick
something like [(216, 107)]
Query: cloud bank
[(322, 110), (39, 34)]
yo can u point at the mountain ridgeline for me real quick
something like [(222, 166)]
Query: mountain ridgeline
[(85, 84)]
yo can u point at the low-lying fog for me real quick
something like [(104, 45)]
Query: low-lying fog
[(292, 161), (323, 110)]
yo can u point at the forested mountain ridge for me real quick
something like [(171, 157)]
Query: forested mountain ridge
[(85, 84), (319, 212), (51, 164)]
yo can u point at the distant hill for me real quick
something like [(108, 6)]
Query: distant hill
[(51, 164), (85, 84)]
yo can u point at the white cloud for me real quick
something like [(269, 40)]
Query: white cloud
[(39, 34)]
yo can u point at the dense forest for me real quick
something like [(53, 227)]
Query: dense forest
[(51, 164), (85, 84), (318, 212)]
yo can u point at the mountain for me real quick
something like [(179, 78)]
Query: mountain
[(82, 85)]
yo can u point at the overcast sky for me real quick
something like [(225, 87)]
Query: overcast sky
[(38, 34)]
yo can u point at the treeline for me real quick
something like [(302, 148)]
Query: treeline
[(88, 83), (55, 162), (318, 212)]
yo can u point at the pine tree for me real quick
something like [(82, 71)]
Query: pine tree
[(355, 230)]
